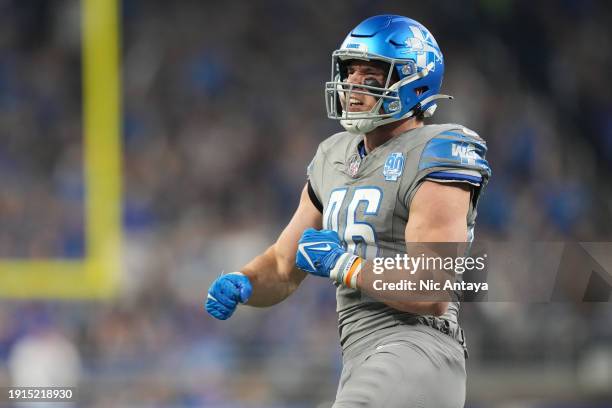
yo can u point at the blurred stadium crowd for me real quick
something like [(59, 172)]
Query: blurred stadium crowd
[(223, 109)]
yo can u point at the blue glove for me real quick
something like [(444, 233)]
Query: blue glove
[(321, 253), (225, 293)]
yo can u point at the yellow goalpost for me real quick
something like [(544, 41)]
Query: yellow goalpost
[(97, 274)]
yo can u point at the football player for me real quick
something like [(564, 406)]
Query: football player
[(386, 181)]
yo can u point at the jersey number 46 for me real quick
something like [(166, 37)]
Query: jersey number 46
[(359, 235)]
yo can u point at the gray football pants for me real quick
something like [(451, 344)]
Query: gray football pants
[(420, 369)]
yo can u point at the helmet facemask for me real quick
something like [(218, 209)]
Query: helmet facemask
[(388, 108)]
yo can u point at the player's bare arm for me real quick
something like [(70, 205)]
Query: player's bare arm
[(273, 274), (270, 277), (437, 214)]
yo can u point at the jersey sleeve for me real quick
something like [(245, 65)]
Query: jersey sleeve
[(453, 156), (314, 175)]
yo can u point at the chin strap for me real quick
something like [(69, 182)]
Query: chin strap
[(418, 109), (358, 126), (428, 113)]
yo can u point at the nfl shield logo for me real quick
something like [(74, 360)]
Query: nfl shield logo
[(353, 165), (394, 165)]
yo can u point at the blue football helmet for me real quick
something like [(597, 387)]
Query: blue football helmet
[(415, 70)]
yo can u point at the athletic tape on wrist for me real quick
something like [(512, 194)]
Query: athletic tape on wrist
[(346, 270), (350, 279)]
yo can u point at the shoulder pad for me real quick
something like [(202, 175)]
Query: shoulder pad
[(335, 140), (456, 155)]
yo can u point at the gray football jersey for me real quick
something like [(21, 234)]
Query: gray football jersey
[(367, 200)]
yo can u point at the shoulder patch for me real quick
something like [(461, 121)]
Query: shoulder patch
[(455, 156)]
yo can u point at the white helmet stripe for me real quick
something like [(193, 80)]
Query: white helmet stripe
[(417, 33)]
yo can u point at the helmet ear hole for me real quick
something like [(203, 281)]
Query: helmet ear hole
[(421, 90)]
